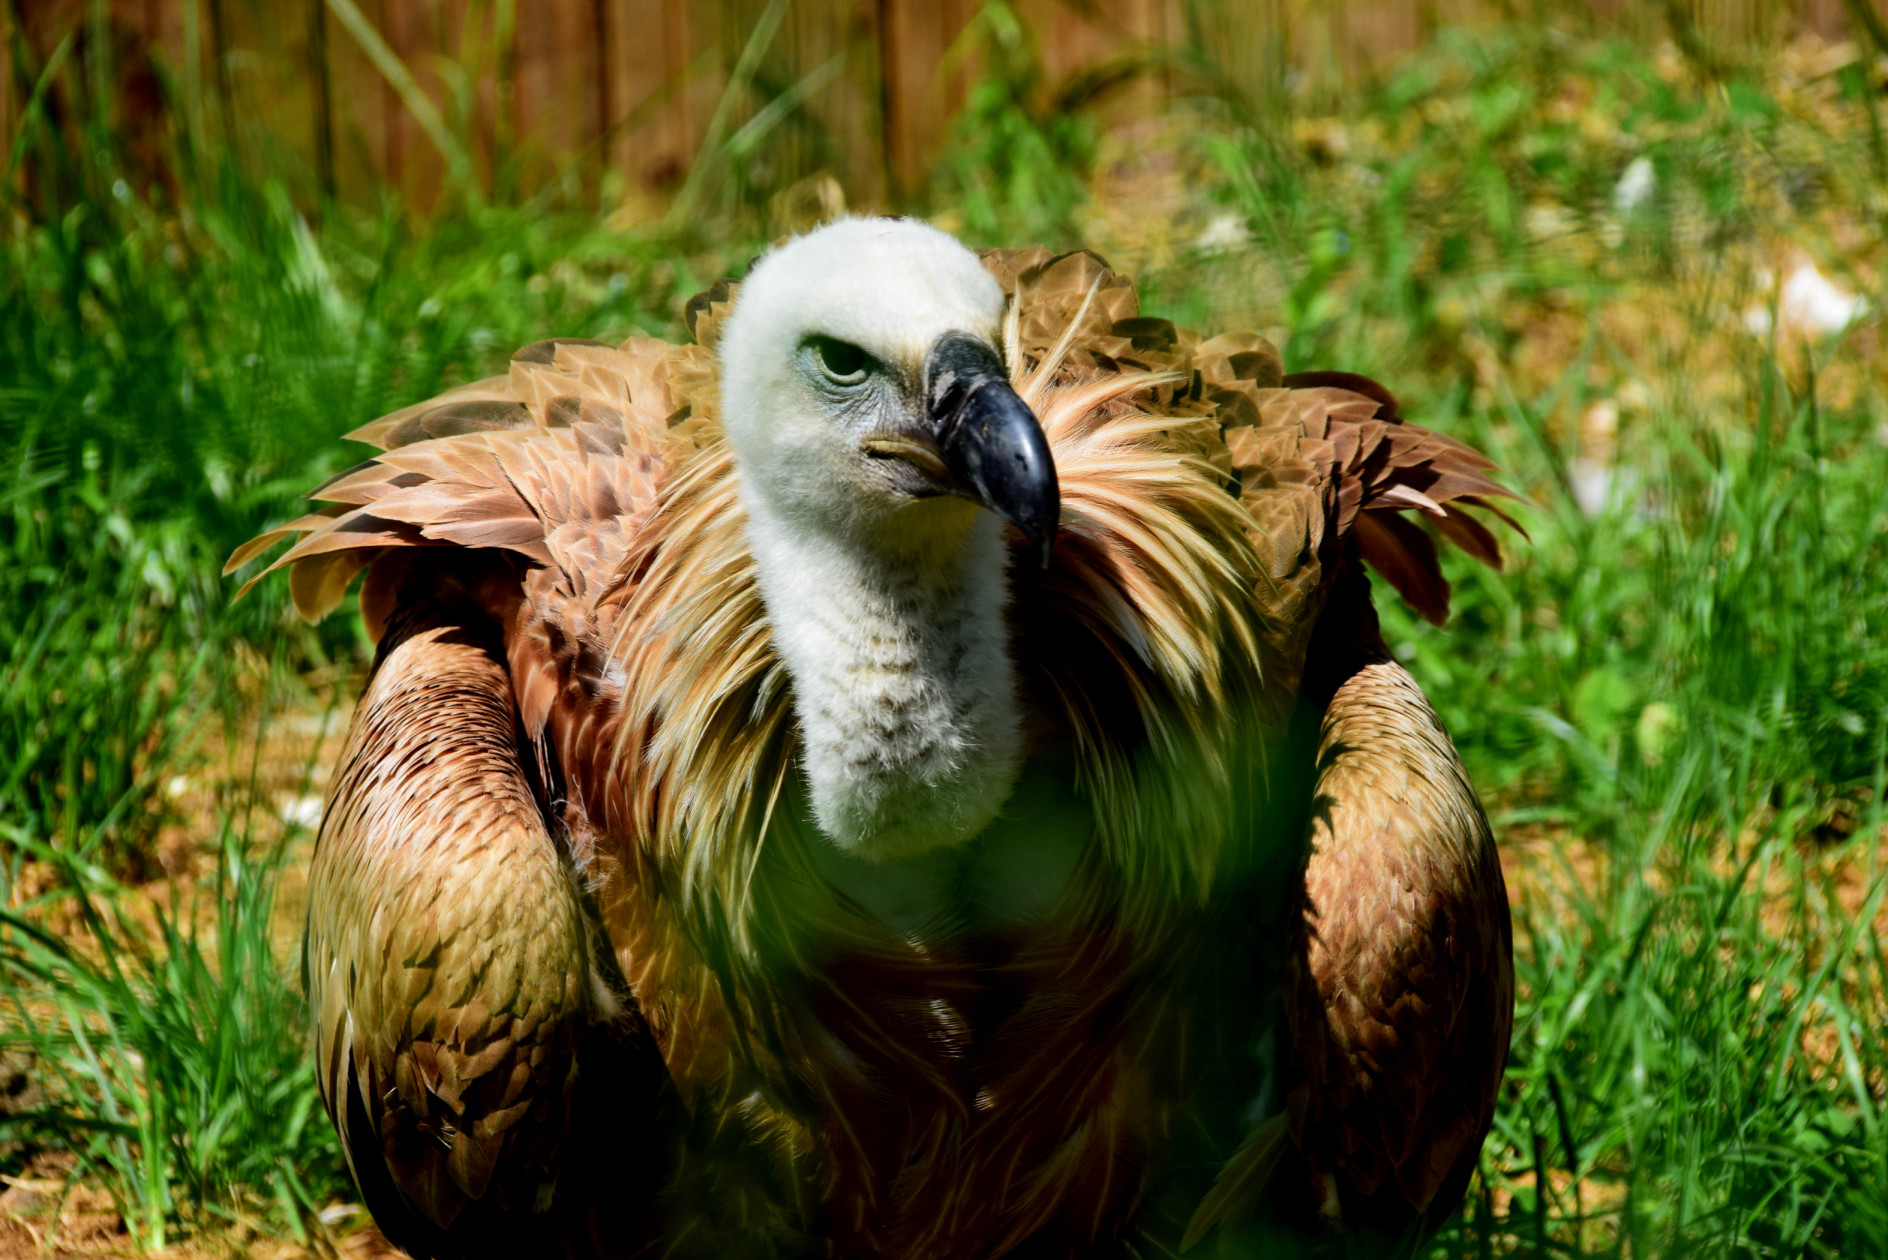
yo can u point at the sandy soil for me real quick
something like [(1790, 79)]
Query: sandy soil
[(43, 1215)]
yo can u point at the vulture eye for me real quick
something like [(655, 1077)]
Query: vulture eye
[(841, 362)]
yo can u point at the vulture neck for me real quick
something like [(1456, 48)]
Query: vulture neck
[(899, 650)]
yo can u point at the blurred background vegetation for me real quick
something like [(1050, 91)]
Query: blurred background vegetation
[(1634, 251)]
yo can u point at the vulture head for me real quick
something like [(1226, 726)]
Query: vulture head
[(863, 377), (880, 449)]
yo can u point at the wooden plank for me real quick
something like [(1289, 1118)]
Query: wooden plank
[(161, 27), (321, 79), (477, 53), (423, 34), (833, 132), (652, 121), (12, 89), (40, 28), (361, 99), (555, 99), (1249, 41), (890, 21), (397, 128), (692, 40), (870, 171), (621, 40), (921, 95), (10, 102), (388, 136), (270, 101), (1374, 33), (1828, 19), (1074, 39), (619, 81), (139, 97), (110, 67)]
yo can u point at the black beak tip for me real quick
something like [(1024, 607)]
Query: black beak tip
[(1031, 500), (1039, 531)]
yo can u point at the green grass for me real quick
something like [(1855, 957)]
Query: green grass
[(1691, 681), (1683, 696), (170, 1066)]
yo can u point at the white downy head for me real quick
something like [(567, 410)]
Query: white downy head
[(880, 449)]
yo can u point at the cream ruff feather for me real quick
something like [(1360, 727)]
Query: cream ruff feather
[(879, 878)]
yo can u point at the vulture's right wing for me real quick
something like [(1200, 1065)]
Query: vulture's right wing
[(1405, 985), (1401, 987), (1399, 990)]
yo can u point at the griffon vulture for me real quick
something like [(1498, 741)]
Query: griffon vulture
[(914, 773)]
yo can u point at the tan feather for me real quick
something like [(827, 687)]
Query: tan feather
[(1402, 997)]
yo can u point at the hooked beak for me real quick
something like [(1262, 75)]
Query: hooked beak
[(980, 441)]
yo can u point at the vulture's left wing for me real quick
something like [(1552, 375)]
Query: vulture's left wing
[(543, 480), (1402, 985)]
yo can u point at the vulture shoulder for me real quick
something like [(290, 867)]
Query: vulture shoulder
[(449, 960)]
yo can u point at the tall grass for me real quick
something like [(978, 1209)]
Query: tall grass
[(171, 1068), (1676, 698), (1681, 690), (173, 379), (174, 370)]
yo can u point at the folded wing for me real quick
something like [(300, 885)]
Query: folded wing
[(469, 1025), (446, 962), (1401, 987)]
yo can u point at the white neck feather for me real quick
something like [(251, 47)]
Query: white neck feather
[(903, 684)]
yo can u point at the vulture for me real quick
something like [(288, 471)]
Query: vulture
[(913, 773)]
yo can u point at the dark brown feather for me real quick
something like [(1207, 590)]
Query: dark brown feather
[(1405, 556)]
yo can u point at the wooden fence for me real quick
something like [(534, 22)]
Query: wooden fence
[(512, 94)]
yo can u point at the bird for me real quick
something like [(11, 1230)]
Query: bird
[(911, 771)]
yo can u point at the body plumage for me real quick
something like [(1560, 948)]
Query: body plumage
[(769, 830)]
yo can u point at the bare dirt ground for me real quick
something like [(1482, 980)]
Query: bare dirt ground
[(44, 1216)]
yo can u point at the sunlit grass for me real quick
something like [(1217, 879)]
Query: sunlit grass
[(170, 1066)]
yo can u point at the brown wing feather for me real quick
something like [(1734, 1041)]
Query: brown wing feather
[(1404, 990), (445, 959), (1405, 556), (449, 964), (572, 441), (1323, 457)]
